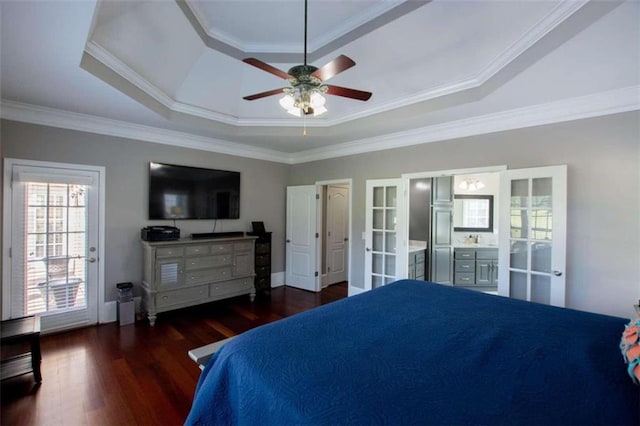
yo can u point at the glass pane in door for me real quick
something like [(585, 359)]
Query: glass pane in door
[(55, 237), (541, 289)]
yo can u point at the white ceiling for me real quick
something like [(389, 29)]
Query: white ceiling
[(169, 70)]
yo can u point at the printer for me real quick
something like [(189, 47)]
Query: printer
[(160, 233)]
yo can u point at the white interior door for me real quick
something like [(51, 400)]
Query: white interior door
[(301, 238), (337, 233), (385, 232), (53, 243), (533, 212)]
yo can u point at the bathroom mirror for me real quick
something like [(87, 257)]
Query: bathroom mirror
[(473, 213)]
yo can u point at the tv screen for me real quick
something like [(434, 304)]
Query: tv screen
[(181, 192)]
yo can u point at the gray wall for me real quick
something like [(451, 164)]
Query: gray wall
[(602, 154), (126, 167), (603, 229)]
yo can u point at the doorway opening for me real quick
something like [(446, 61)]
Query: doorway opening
[(334, 240), (318, 225)]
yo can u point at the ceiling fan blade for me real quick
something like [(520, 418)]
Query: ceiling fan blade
[(264, 94), (266, 67), (348, 93), (339, 64)]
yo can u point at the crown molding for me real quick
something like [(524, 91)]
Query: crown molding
[(109, 60), (27, 113), (546, 24), (543, 27), (594, 105)]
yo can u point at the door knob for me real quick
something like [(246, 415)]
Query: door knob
[(288, 241), (91, 260), (367, 249), (557, 273)]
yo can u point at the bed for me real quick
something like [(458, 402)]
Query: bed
[(421, 353)]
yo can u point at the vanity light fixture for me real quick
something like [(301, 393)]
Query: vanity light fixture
[(471, 184)]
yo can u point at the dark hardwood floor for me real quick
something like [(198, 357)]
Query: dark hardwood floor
[(138, 374)]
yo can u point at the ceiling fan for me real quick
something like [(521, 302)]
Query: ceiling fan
[(304, 96)]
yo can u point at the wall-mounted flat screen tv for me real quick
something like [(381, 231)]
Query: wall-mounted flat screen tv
[(181, 192)]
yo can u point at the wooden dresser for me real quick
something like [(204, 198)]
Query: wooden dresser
[(189, 272)]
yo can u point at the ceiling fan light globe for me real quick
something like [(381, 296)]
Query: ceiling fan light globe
[(319, 110), (294, 111), (317, 100), (287, 102)]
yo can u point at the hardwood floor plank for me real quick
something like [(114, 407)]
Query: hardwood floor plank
[(138, 374)]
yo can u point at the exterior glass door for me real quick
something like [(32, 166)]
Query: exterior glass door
[(53, 245)]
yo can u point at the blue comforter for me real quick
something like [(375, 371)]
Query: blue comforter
[(418, 353)]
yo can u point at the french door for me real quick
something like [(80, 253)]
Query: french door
[(384, 228), (52, 231), (533, 210)]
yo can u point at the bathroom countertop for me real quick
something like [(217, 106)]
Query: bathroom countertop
[(415, 245), (475, 245)]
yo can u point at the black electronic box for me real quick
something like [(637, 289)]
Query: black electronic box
[(160, 233)]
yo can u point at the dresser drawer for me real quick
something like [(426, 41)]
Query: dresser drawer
[(262, 283), (163, 252), (491, 254), (243, 246), (465, 265), (263, 270), (420, 269), (420, 257), (263, 248), (207, 275), (465, 253), (168, 298), (227, 287), (196, 250), (221, 248), (465, 278), (207, 262), (263, 260)]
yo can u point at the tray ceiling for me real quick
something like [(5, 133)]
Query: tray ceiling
[(178, 64)]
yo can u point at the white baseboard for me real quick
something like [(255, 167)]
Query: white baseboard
[(277, 279)]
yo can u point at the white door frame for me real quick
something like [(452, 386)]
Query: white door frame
[(102, 311), (348, 182), (437, 173)]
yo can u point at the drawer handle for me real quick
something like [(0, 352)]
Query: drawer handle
[(165, 297)]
